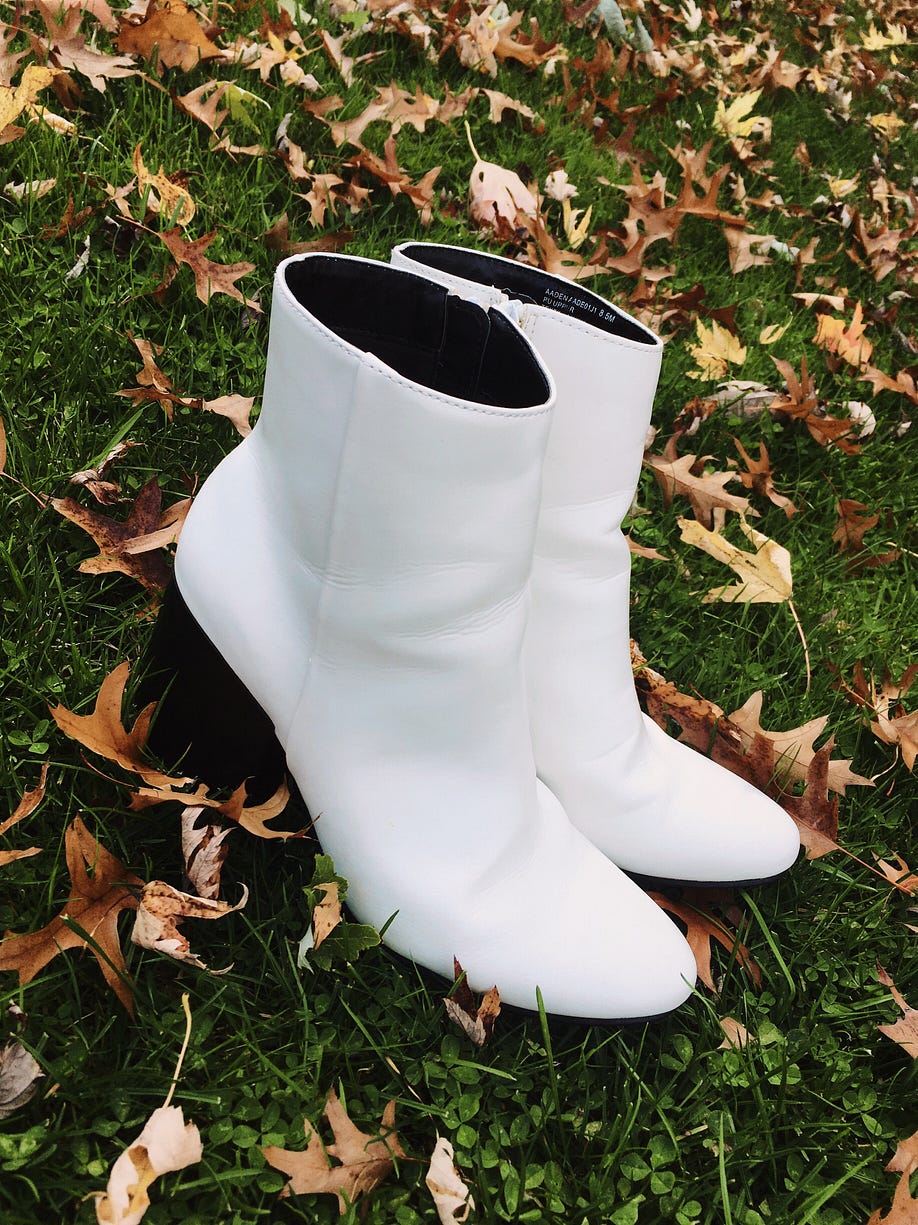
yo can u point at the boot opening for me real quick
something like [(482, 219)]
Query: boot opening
[(419, 329), (529, 285)]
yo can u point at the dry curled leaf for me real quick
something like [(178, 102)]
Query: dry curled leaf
[(476, 1020), (167, 1143), (363, 1161), (20, 1073), (451, 1197), (101, 888), (162, 908), (204, 851)]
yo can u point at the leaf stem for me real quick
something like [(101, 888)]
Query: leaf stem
[(181, 1057), (806, 649)]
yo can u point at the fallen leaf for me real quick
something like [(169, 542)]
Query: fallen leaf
[(905, 1030), (204, 851), (103, 733), (899, 875), (166, 195), (101, 888), (29, 802), (20, 1073), (364, 1161), (327, 914), (758, 476), (497, 195), (388, 171), (736, 1036), (476, 1021), (166, 1144), (16, 99), (96, 480), (702, 929), (130, 546), (209, 277), (904, 1210), (905, 1158), (168, 35), (704, 490), (160, 910), (736, 119), (237, 408), (254, 817), (717, 348), (765, 574), (846, 340), (769, 335), (26, 806), (795, 749), (451, 1197)]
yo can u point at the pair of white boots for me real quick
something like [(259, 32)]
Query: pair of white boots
[(415, 567)]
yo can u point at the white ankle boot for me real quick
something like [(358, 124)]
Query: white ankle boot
[(655, 807), (361, 563)]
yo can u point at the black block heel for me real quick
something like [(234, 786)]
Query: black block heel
[(206, 724)]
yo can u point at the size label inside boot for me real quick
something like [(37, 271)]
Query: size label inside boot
[(589, 310)]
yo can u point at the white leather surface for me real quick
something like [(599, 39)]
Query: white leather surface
[(362, 561), (654, 806)]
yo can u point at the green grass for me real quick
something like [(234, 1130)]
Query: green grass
[(554, 1122)]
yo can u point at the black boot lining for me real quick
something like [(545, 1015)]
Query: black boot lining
[(529, 285), (419, 329)]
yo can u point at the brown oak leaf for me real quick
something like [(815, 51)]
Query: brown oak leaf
[(759, 476), (26, 806), (209, 277), (101, 888), (703, 928), (131, 546), (363, 1161), (326, 915), (904, 1210), (475, 1020), (686, 476), (795, 749), (103, 733), (854, 521), (169, 35)]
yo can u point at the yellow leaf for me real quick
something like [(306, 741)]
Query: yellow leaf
[(769, 335), (895, 36), (576, 224), (735, 120), (165, 197), (715, 349), (13, 101), (842, 187), (765, 574), (848, 341), (889, 124)]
